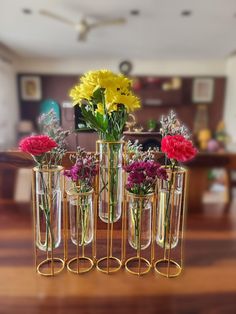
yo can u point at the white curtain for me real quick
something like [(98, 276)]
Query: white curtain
[(9, 112)]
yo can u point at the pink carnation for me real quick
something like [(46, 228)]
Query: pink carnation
[(178, 148), (37, 145)]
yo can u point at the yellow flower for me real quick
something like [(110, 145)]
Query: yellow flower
[(110, 94), (111, 107), (117, 90), (95, 79), (123, 84), (80, 92), (130, 102)]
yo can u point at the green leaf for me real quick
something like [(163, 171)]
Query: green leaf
[(98, 95), (102, 120), (91, 119)]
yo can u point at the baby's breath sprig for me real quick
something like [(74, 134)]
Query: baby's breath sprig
[(134, 152), (49, 125), (170, 125)]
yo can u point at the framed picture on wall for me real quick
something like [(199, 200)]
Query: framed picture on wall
[(30, 88), (203, 90)]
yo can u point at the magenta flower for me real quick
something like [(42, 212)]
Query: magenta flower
[(83, 172), (142, 176), (162, 174)]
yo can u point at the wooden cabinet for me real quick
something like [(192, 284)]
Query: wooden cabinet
[(156, 91), (158, 95)]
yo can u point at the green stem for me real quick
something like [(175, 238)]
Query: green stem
[(84, 218), (136, 215), (46, 210), (110, 173), (112, 185), (168, 212)]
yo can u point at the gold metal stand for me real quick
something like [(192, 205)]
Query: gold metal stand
[(171, 264), (48, 266), (74, 265), (109, 263), (138, 259)]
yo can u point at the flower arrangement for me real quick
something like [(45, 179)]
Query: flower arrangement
[(176, 143), (105, 99), (142, 174), (82, 174), (178, 148), (83, 171), (47, 149), (142, 168)]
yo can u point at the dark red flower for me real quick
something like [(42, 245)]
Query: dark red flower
[(83, 170), (142, 176), (136, 177), (135, 166), (152, 168), (37, 145), (162, 174), (178, 148)]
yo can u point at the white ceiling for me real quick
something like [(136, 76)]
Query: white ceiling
[(158, 32)]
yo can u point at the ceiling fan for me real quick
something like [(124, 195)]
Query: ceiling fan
[(84, 26)]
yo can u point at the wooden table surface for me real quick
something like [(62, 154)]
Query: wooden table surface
[(198, 171), (208, 284)]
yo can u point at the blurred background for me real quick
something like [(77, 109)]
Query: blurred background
[(181, 56)]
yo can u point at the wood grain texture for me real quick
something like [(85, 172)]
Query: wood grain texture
[(17, 159), (206, 286)]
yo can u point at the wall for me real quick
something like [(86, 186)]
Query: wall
[(187, 68), (8, 103), (55, 87), (230, 104), (146, 67)]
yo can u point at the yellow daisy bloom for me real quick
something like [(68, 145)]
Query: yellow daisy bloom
[(130, 102), (117, 90)]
